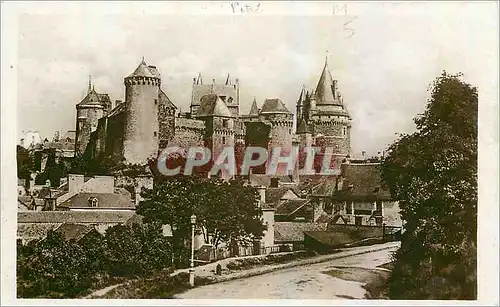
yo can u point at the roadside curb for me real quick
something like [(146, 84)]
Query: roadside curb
[(320, 259)]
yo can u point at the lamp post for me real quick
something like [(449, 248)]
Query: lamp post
[(173, 229), (191, 269)]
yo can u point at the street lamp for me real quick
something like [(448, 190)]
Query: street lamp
[(173, 230), (191, 269)]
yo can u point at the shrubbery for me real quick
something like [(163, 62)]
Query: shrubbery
[(56, 268)]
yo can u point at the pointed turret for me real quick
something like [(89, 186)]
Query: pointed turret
[(303, 127), (90, 84), (325, 90), (254, 111)]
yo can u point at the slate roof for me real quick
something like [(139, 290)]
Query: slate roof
[(275, 194), (117, 110), (254, 111), (212, 105), (303, 127), (87, 216), (274, 106), (318, 185), (287, 207), (200, 90), (164, 100), (142, 71), (93, 98), (294, 231), (71, 231), (366, 182), (34, 231), (265, 180), (332, 238), (106, 201), (325, 89)]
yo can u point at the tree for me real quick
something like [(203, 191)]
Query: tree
[(433, 174), (136, 250), (52, 267), (224, 210), (24, 163)]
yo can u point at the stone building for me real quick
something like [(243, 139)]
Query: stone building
[(322, 116), (148, 121)]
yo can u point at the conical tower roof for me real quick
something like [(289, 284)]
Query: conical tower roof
[(91, 98), (303, 127), (254, 111), (325, 90), (142, 71), (302, 96)]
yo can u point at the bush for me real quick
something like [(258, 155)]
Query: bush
[(55, 268)]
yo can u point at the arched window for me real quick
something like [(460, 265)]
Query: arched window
[(93, 202)]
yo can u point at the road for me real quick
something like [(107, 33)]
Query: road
[(305, 282)]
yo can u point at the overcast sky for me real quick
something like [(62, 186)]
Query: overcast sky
[(383, 66)]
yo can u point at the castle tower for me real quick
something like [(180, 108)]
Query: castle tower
[(142, 89), (300, 106), (229, 93), (219, 123), (88, 112), (328, 115), (280, 119)]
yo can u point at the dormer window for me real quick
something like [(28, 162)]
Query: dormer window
[(230, 100), (376, 190), (350, 188), (93, 202)]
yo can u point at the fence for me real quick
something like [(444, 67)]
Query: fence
[(208, 253)]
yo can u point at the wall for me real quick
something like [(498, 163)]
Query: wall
[(188, 132), (268, 218)]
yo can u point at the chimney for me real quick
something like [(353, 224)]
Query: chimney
[(262, 193), (363, 154), (274, 182), (75, 183)]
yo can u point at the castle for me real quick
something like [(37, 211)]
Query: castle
[(148, 121)]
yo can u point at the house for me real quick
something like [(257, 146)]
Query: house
[(357, 196), (97, 193)]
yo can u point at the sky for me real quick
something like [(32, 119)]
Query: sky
[(383, 55)]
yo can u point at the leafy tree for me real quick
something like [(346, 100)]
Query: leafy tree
[(433, 174), (224, 210), (52, 267), (136, 250), (24, 163)]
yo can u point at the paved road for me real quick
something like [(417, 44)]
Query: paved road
[(304, 282)]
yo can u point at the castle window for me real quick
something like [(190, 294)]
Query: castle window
[(223, 140), (230, 100), (225, 123), (155, 134), (156, 101), (344, 131)]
